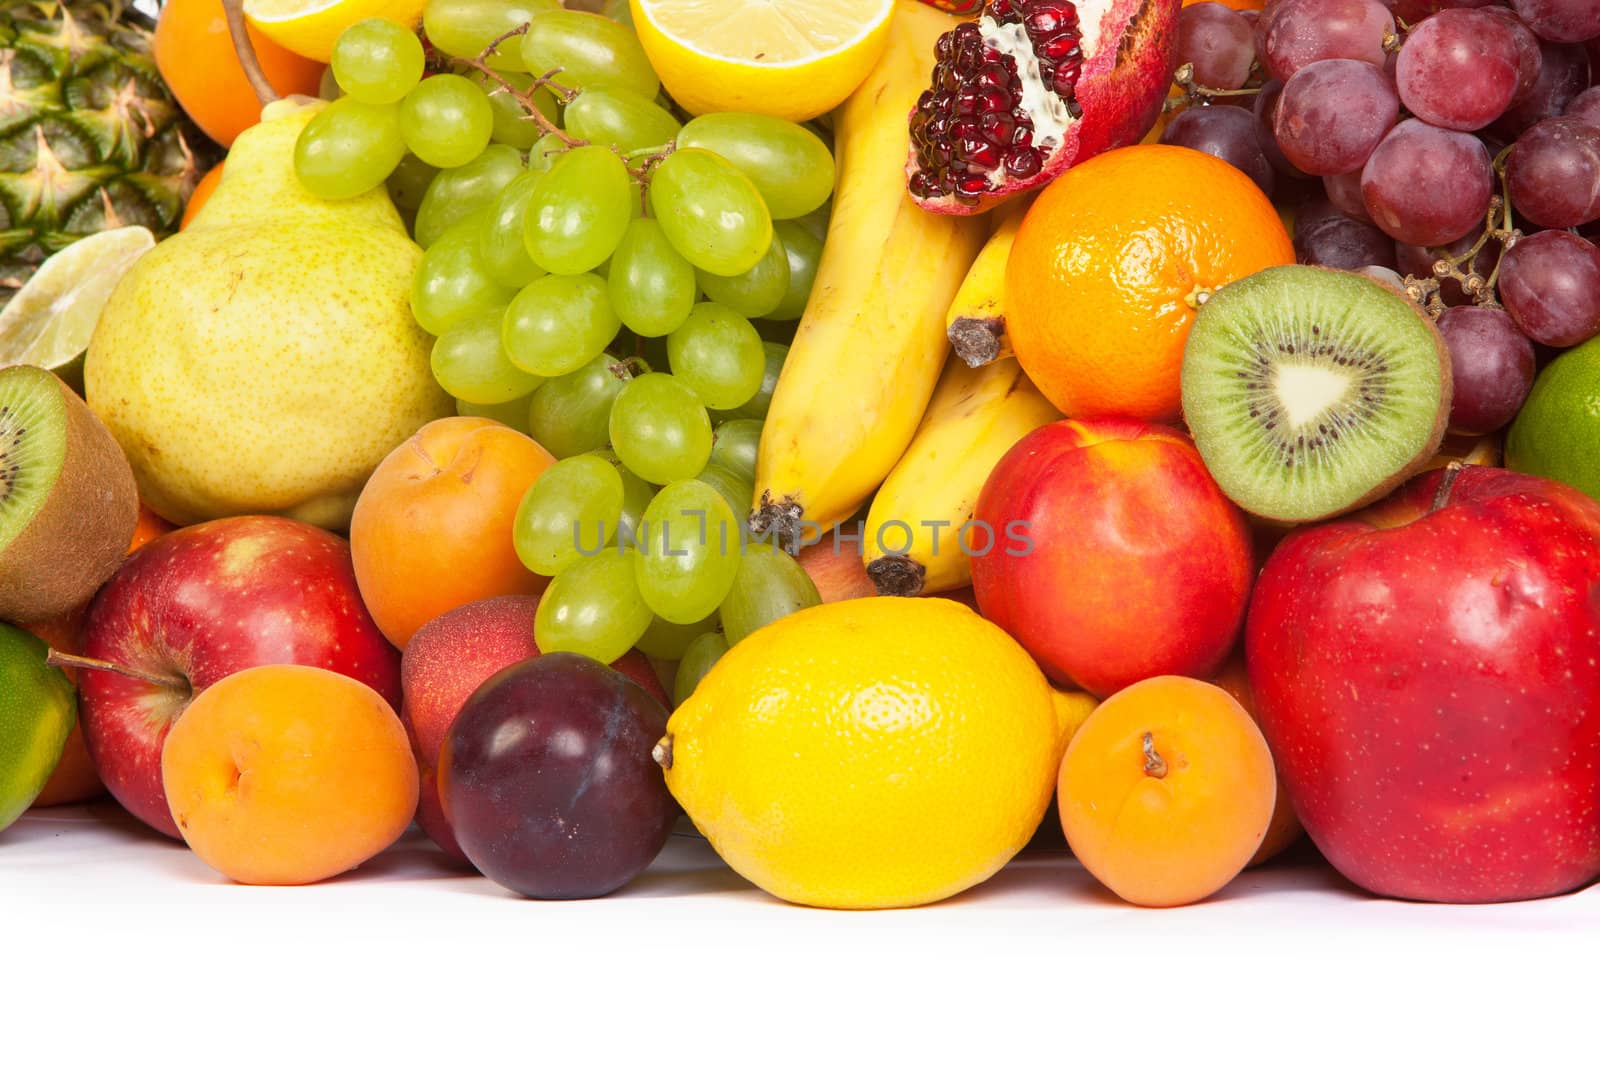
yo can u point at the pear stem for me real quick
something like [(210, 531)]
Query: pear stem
[(246, 50), (85, 663)]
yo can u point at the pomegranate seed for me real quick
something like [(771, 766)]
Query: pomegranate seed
[(1048, 18), (997, 127), (980, 153), (1022, 162), (1058, 47), (973, 186)]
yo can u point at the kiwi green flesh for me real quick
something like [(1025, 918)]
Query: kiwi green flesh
[(1310, 391), (71, 503), (33, 445)]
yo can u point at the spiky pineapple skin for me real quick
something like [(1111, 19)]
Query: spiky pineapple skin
[(90, 137)]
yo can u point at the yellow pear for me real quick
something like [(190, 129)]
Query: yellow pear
[(264, 360)]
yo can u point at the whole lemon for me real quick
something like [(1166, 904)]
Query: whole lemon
[(873, 753)]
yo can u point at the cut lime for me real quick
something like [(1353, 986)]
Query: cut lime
[(50, 320), (38, 707)]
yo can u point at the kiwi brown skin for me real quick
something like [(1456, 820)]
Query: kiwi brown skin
[(81, 532)]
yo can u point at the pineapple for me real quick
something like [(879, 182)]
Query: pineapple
[(90, 138)]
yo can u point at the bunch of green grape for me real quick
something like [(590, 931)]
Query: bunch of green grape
[(615, 281)]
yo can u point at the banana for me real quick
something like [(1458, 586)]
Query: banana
[(871, 341), (976, 321), (912, 542)]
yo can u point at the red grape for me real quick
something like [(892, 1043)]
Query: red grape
[(1529, 58), (1333, 113), (1418, 261), (1296, 32), (1459, 69), (1324, 236), (1566, 21), (1344, 190), (1491, 366), (1265, 110), (1414, 11), (1427, 186), (1586, 107), (1550, 284), (1219, 43), (1553, 173), (1229, 133), (548, 781), (1563, 74)]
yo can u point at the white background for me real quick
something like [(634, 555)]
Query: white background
[(122, 947)]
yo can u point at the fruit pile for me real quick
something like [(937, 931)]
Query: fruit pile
[(858, 428)]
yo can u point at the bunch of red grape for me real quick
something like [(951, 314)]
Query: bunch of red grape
[(1452, 142)]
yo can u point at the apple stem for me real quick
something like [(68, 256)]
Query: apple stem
[(233, 10), (1154, 765), (1441, 495), (662, 753), (67, 659)]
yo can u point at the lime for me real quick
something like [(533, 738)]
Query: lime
[(1557, 433), (38, 707), (50, 320)]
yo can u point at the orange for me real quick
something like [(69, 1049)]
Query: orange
[(195, 55), (432, 528), (283, 775), (1166, 791), (202, 193), (1113, 260)]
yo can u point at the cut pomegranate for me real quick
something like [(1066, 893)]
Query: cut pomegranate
[(1032, 87)]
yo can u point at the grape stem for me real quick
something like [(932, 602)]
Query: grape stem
[(524, 97), (1498, 225), (1195, 93), (233, 10)]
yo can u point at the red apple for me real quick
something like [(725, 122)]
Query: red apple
[(1107, 550), (445, 662), (1427, 673), (201, 603)]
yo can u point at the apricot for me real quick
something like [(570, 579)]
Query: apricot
[(1285, 829), (432, 528), (1166, 791), (284, 775)]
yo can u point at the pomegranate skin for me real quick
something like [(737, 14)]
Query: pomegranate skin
[(1119, 91)]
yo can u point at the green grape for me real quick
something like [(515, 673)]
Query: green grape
[(451, 284), (669, 640), (591, 51), (718, 354), (464, 28), (500, 241), (377, 61), (756, 292), (408, 185), (688, 551), (737, 491), (636, 494), (816, 222), (770, 584), (513, 413), (470, 364), (465, 190), (328, 86), (652, 287), (512, 124), (593, 608), (578, 211), (757, 406), (788, 163), (569, 513), (620, 118), (545, 151), (617, 11), (446, 120), (558, 323), (348, 148), (804, 251), (660, 429), (735, 446), (572, 413), (698, 659), (711, 213)]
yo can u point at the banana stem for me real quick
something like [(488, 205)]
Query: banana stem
[(246, 49)]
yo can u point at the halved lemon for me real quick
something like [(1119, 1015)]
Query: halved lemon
[(310, 27), (49, 321), (795, 59)]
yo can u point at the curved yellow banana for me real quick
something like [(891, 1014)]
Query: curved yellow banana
[(976, 321), (912, 543), (870, 344)]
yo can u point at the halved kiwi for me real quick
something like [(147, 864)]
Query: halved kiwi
[(1311, 392), (68, 503)]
